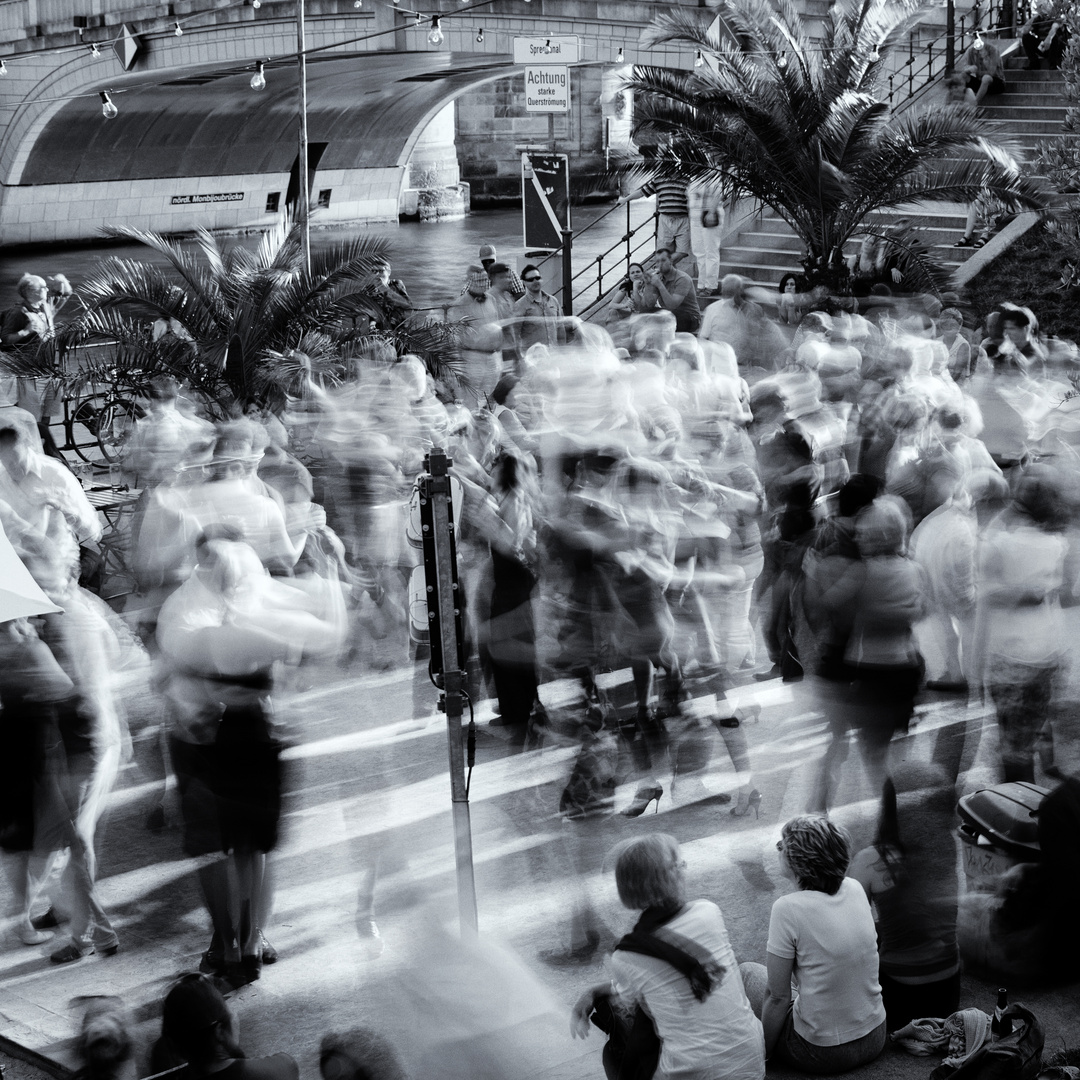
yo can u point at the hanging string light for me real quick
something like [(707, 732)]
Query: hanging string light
[(95, 52), (358, 4), (108, 109), (179, 31), (435, 34), (258, 80), (619, 56), (874, 56), (480, 37), (978, 45), (781, 63), (699, 60), (3, 68), (256, 3)]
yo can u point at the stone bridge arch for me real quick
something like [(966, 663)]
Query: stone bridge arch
[(194, 145)]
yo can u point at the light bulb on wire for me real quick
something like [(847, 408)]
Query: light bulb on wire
[(258, 80), (978, 44), (480, 37), (699, 60), (3, 68), (619, 56), (781, 62), (179, 31), (256, 3), (95, 52), (357, 4), (874, 56), (108, 109), (435, 34)]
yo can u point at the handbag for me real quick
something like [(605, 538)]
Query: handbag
[(632, 1050), (1016, 1056)]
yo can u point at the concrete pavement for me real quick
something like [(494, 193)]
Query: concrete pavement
[(368, 788)]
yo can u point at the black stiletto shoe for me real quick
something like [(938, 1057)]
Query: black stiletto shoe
[(746, 803), (642, 798)]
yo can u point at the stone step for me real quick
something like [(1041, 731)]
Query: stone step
[(784, 240), (1015, 72), (1025, 129), (1025, 99), (1019, 83), (996, 109)]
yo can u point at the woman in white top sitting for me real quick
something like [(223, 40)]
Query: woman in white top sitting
[(822, 940), (693, 995)]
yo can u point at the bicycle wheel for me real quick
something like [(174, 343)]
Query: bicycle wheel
[(115, 422), (80, 427)]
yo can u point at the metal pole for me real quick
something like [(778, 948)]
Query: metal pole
[(302, 156), (447, 592), (567, 272), (950, 35)]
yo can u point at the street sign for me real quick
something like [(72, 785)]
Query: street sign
[(547, 50), (547, 89), (545, 199)]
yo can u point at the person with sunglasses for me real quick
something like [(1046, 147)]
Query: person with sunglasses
[(823, 936), (537, 318)]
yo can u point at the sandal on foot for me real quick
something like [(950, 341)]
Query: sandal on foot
[(965, 241)]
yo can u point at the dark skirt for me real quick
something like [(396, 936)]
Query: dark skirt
[(248, 781)]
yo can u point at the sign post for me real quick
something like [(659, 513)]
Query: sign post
[(444, 611)]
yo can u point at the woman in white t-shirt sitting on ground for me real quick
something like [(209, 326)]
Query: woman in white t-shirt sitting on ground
[(679, 968), (822, 939)]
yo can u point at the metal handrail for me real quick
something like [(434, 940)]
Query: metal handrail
[(621, 265), (943, 51)]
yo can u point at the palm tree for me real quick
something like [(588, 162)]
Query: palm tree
[(800, 125), (259, 322)]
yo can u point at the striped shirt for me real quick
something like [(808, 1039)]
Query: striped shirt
[(670, 196)]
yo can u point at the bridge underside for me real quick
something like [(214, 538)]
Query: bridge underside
[(181, 145)]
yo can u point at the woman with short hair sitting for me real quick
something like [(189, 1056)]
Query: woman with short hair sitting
[(823, 938), (678, 969)]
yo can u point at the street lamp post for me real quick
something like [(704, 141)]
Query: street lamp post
[(302, 156)]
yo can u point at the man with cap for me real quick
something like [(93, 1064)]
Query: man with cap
[(489, 260), (479, 338)]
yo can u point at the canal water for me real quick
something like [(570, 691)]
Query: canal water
[(431, 258)]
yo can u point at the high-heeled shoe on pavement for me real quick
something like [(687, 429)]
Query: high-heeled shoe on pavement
[(747, 801), (642, 797)]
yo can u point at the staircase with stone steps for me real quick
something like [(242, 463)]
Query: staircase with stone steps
[(1031, 110)]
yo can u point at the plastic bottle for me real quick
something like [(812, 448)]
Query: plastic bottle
[(1001, 1025)]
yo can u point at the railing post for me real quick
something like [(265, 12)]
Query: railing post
[(629, 252), (911, 64), (567, 271), (950, 36), (963, 35)]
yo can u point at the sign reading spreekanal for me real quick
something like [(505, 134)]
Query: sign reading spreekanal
[(547, 89), (547, 50)]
